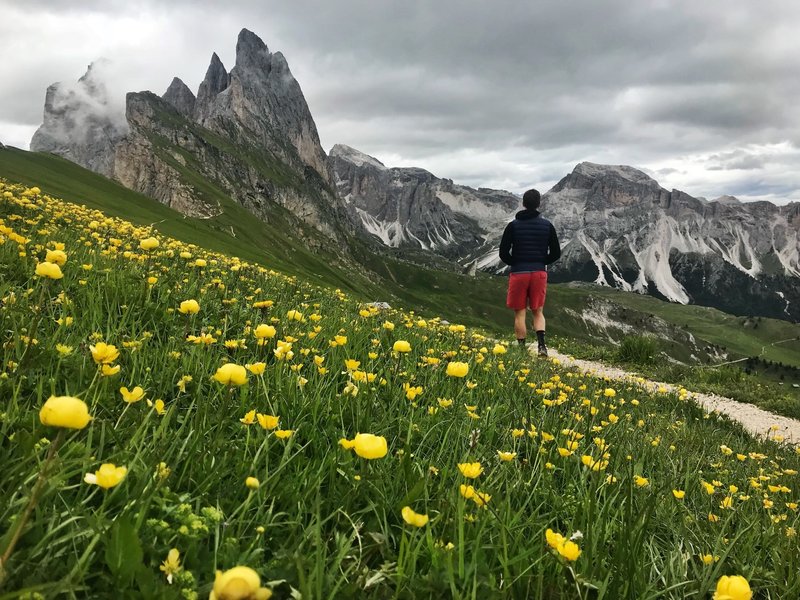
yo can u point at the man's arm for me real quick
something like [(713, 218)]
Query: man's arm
[(553, 247), (505, 245)]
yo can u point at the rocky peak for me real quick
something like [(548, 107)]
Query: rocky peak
[(266, 100), (215, 82), (728, 200), (252, 52), (624, 172), (181, 97), (82, 121), (359, 159)]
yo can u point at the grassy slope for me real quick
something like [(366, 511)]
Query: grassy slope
[(720, 328), (475, 301), (253, 240)]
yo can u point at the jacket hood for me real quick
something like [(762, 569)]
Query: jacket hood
[(523, 215)]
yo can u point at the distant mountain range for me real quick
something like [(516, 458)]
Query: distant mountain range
[(248, 134)]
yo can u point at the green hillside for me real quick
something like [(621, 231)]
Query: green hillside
[(381, 276)]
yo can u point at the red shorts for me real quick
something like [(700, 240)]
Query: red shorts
[(526, 289)]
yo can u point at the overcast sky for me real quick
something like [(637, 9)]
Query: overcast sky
[(703, 95)]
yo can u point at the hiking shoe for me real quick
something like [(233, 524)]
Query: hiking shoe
[(542, 351)]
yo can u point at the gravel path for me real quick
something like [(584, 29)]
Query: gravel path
[(760, 423)]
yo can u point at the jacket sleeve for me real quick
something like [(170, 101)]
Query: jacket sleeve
[(553, 247), (505, 244)]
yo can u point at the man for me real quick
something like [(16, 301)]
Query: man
[(529, 244)]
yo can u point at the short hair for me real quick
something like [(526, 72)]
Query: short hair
[(531, 199)]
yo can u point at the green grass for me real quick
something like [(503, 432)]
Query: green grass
[(323, 521), (378, 276)]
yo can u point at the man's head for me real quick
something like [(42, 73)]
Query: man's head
[(531, 199)]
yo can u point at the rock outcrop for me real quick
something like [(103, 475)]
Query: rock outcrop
[(619, 228), (412, 208), (82, 122), (180, 97), (247, 135)]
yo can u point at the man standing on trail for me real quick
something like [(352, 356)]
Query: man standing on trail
[(529, 244)]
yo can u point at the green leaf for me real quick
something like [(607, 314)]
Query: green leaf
[(123, 551)]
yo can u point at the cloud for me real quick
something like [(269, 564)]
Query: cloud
[(516, 92)]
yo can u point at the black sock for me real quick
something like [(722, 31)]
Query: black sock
[(521, 341), (540, 337)]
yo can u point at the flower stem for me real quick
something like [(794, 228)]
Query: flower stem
[(37, 490)]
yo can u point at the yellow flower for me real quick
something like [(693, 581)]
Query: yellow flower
[(107, 476), (467, 491), (679, 494), (131, 396), (401, 346), (256, 368), (159, 406), (252, 483), (569, 550), (566, 548), (295, 315), (708, 558), (499, 349), (609, 392), (49, 270), (171, 565), (413, 518), (347, 444), (388, 325), (267, 421), (200, 262), (470, 470), (641, 481), (65, 411), (231, 374), (150, 243), (734, 587), (249, 417), (283, 434), (340, 340), (104, 354), (108, 370), (370, 446), (457, 369), (554, 540), (481, 498), (58, 257), (264, 331), (506, 456), (189, 307), (239, 583), (351, 364)]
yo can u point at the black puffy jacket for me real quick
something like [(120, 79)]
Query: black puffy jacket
[(529, 243)]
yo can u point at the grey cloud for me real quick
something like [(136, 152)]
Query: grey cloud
[(610, 81)]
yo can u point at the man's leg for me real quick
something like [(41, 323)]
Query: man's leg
[(538, 293), (519, 324), (538, 319), (538, 327)]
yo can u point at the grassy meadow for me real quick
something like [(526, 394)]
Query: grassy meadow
[(168, 412)]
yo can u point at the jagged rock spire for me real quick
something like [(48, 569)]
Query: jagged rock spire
[(181, 97), (215, 82)]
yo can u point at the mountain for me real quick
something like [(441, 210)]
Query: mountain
[(82, 122), (247, 139), (411, 208), (618, 227), (248, 135)]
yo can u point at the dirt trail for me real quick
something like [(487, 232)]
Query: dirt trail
[(757, 421)]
